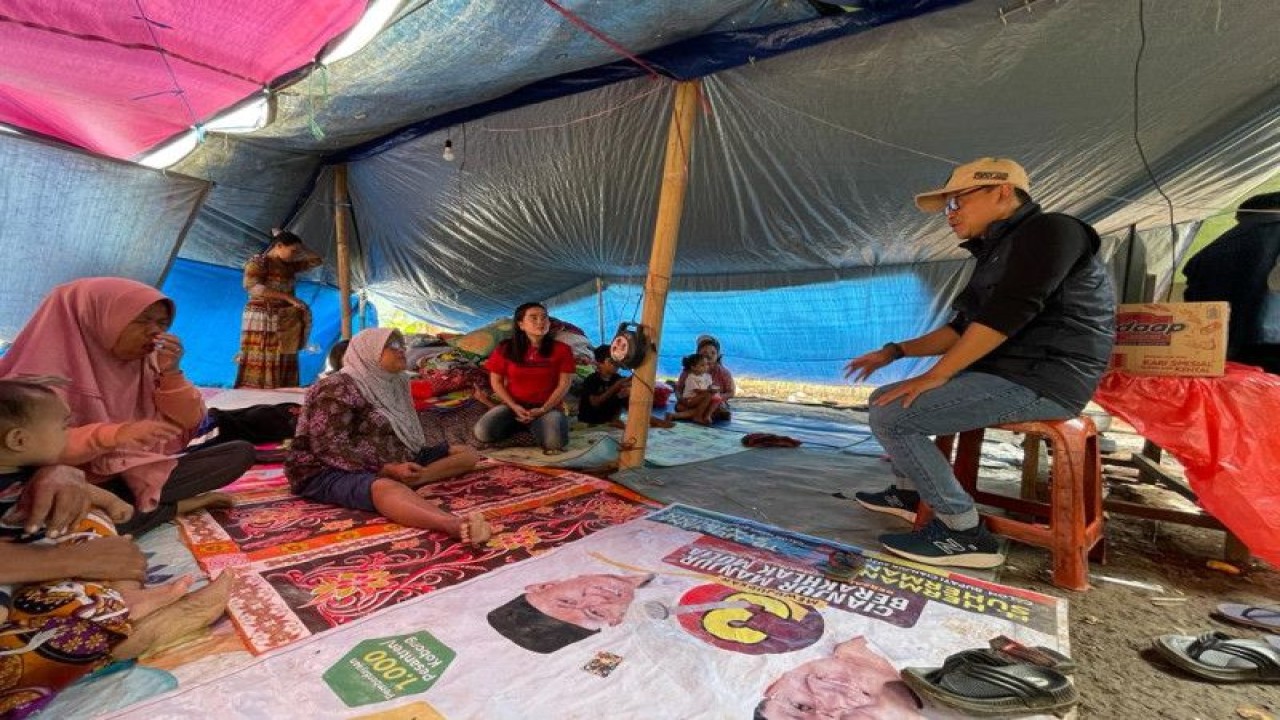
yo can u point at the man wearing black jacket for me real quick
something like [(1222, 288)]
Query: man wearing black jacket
[(1241, 268), (1030, 337)]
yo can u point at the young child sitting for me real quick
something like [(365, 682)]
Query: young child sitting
[(72, 601), (605, 394), (700, 399)]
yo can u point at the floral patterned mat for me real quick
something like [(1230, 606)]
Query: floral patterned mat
[(305, 567)]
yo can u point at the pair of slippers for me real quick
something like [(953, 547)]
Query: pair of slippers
[(1219, 657), (1007, 679)]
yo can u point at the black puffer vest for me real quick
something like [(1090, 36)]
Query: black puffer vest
[(1062, 352)]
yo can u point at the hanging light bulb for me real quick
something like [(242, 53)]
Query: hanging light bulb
[(448, 151)]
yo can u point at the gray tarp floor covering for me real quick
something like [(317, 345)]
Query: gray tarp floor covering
[(791, 488), (787, 487)]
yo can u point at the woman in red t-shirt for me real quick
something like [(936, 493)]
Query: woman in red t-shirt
[(530, 373)]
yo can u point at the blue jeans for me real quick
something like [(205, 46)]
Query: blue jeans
[(551, 430), (968, 401)]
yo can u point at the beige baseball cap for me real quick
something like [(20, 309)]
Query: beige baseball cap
[(979, 173)]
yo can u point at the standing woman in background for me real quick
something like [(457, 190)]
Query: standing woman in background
[(276, 323)]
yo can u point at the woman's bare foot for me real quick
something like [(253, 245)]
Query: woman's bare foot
[(474, 529), (176, 620), (205, 501), (142, 601), (661, 422)]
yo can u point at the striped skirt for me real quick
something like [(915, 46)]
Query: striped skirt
[(270, 338)]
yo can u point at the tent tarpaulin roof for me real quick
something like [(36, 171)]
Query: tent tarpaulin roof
[(803, 162), (119, 77), (804, 165)]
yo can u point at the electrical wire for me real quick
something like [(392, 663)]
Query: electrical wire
[(576, 121), (597, 34), (1137, 141)]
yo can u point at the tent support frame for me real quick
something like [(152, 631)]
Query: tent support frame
[(341, 213), (666, 233)]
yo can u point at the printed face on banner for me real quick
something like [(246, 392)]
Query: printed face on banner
[(683, 613), (853, 683), (593, 602)]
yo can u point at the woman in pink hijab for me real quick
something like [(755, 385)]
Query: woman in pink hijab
[(132, 410)]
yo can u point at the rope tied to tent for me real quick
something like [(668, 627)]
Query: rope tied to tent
[(151, 26), (614, 44), (321, 72)]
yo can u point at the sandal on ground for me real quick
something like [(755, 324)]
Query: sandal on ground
[(982, 687), (1220, 657), (1013, 653), (1017, 654), (1262, 618)]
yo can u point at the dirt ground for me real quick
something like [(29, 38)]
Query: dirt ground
[(1113, 624)]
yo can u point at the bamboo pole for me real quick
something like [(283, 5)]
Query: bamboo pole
[(666, 232), (341, 215), (600, 309)]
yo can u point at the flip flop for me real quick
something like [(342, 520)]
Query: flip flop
[(1005, 651), (1220, 657), (1262, 618), (983, 685)]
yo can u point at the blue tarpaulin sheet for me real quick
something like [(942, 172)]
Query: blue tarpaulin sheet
[(209, 322)]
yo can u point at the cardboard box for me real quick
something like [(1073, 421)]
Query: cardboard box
[(1186, 339)]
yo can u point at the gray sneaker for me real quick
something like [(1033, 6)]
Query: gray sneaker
[(891, 500), (937, 544)]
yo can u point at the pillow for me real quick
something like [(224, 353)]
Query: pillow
[(483, 340), (582, 349)]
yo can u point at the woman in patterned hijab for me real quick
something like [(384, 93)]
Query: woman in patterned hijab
[(359, 443)]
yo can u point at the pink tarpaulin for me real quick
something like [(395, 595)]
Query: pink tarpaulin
[(117, 78), (1224, 432)]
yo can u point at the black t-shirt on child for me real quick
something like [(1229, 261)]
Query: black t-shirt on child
[(606, 411)]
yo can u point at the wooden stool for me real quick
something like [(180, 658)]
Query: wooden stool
[(1074, 510)]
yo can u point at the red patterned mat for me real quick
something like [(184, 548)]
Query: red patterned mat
[(305, 567)]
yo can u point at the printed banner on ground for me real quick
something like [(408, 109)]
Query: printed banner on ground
[(684, 613)]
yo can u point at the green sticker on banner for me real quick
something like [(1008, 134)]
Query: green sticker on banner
[(386, 668)]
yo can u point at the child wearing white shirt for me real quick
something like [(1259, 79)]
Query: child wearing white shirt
[(700, 399)]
